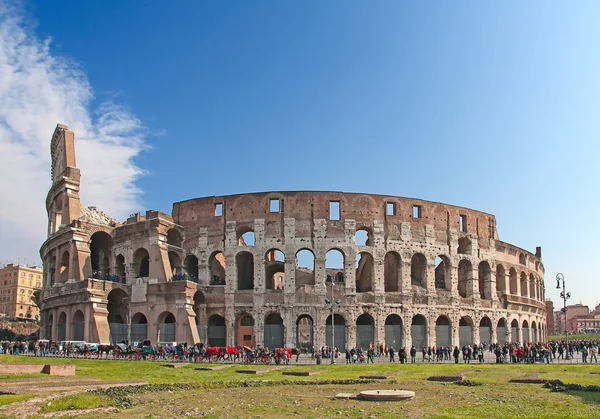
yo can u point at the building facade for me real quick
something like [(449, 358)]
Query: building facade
[(573, 312), (283, 269), (17, 285)]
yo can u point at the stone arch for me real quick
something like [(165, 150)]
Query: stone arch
[(485, 330), (500, 279), (218, 268), (274, 269), (392, 272), (139, 327), (418, 331), (190, 267), (502, 332), (305, 267), (167, 326), (175, 263), (485, 280), (120, 270), (465, 331), (141, 263), (513, 281), (101, 244), (304, 331), (50, 328), (514, 331), (339, 327), (442, 272), (64, 267), (525, 331), (524, 287), (532, 287), (393, 332), (533, 332), (334, 266), (465, 278), (363, 237), (418, 270), (174, 237), (365, 331), (246, 237), (443, 331), (464, 246), (364, 272), (245, 330), (244, 262), (274, 331), (117, 306), (78, 330), (61, 327), (217, 331)]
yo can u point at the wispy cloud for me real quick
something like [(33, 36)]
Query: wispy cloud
[(37, 91)]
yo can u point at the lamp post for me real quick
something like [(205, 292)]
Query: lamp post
[(332, 302), (565, 296)]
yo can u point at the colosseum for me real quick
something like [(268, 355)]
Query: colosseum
[(283, 269)]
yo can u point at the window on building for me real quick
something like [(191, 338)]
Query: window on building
[(218, 210), (334, 210), (416, 213), (30, 275), (462, 223), (22, 273), (274, 205), (390, 208), (38, 285)]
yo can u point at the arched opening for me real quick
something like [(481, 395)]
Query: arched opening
[(50, 328), (532, 287), (524, 287), (418, 270), (502, 332), (274, 269), (533, 332), (362, 237), (274, 331), (175, 262), (141, 263), (418, 332), (304, 332), (513, 281), (393, 332), (200, 311), (78, 326), (61, 327), (166, 327), (64, 267), (392, 272), (101, 244), (246, 238), (465, 331), (117, 314), (174, 237), (442, 272), (525, 331), (334, 266), (443, 332), (464, 246), (485, 281), (244, 262), (465, 278), (216, 330), (120, 268), (365, 331), (485, 331), (339, 329), (500, 279), (218, 268), (514, 331), (190, 267), (52, 272), (139, 328), (245, 330), (305, 267), (364, 272)]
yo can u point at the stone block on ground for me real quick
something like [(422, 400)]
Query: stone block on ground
[(59, 369), (301, 373), (446, 378), (174, 365)]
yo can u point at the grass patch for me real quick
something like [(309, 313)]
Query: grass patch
[(13, 398), (579, 336), (79, 401)]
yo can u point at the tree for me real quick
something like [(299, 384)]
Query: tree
[(35, 297)]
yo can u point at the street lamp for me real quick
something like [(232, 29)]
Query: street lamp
[(565, 296), (332, 302)]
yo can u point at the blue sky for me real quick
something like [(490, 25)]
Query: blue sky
[(493, 107)]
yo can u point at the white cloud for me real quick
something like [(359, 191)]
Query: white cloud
[(37, 91)]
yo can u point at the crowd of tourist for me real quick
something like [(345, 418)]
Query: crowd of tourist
[(547, 352)]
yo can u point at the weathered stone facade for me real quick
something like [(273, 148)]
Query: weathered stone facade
[(397, 270)]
